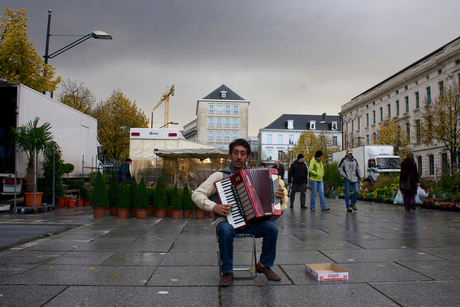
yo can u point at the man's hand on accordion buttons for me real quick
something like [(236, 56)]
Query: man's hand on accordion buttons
[(280, 192), (223, 209)]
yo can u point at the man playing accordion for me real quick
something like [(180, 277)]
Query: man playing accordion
[(239, 154)]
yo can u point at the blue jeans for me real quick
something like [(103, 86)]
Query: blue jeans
[(347, 192), (226, 233), (317, 185)]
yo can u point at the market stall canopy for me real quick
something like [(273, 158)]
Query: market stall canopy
[(198, 153)]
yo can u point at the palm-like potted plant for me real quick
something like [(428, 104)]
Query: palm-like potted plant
[(99, 195), (122, 202), (187, 203), (161, 200), (176, 203), (142, 201), (32, 139)]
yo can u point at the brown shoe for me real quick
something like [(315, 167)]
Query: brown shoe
[(226, 279), (267, 271)]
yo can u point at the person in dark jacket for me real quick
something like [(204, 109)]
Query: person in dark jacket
[(298, 176), (123, 172), (409, 171), (280, 169)]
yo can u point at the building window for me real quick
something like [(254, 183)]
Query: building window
[(381, 114), (334, 126), (418, 130), (417, 100), (235, 135), (367, 119), (441, 88), (219, 109), (218, 135), (227, 122), (223, 94), (211, 108), (407, 104), (373, 113), (367, 139), (347, 126), (235, 122), (431, 157), (374, 137), (291, 139), (235, 109), (280, 139), (211, 122), (219, 122), (227, 109), (334, 141), (397, 107), (419, 162), (269, 154), (445, 163), (312, 125), (408, 131), (269, 139), (227, 135), (353, 125), (210, 135), (428, 95), (389, 111), (359, 123)]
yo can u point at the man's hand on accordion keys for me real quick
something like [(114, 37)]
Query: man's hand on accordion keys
[(223, 209)]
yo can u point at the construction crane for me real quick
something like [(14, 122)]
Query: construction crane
[(168, 92)]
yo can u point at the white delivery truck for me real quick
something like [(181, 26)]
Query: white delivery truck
[(373, 160), (74, 131)]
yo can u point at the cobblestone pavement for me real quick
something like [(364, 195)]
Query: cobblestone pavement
[(394, 258)]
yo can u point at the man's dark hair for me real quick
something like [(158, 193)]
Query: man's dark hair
[(128, 160), (241, 142)]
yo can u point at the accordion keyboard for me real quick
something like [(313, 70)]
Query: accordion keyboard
[(228, 196)]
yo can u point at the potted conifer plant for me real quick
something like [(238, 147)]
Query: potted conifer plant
[(161, 201), (151, 198), (32, 139), (113, 191), (132, 197), (51, 165), (123, 199), (187, 204), (142, 201), (176, 203), (99, 195)]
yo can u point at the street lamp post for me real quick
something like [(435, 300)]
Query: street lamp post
[(170, 123), (94, 34)]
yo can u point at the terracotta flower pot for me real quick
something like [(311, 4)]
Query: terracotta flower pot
[(141, 213), (199, 214), (71, 204), (168, 211), (123, 213), (187, 213), (86, 202), (211, 214), (113, 211), (161, 213), (79, 203), (132, 212), (176, 214), (29, 199), (60, 202), (98, 212), (151, 211), (66, 200)]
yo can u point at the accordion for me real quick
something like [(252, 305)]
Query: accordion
[(251, 192)]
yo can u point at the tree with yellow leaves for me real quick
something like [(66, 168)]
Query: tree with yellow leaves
[(115, 117), (440, 121), (19, 62), (390, 133), (310, 142)]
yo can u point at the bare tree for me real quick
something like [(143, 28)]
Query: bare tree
[(77, 96)]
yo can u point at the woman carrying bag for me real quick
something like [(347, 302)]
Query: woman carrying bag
[(408, 181)]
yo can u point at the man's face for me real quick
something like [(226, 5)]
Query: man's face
[(277, 162), (301, 160), (128, 162), (350, 155), (239, 157)]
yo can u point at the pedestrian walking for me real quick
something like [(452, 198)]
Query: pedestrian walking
[(280, 169), (316, 172), (409, 174), (298, 176), (349, 170), (123, 172)]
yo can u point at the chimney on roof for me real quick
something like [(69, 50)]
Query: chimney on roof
[(323, 121)]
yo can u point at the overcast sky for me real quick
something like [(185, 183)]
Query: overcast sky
[(290, 56)]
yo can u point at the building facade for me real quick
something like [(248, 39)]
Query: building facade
[(401, 98), (222, 116), (281, 135)]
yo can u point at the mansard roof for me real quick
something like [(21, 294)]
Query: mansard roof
[(302, 121), (216, 94)]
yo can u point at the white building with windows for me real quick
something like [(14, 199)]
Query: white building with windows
[(222, 116), (283, 133), (401, 97)]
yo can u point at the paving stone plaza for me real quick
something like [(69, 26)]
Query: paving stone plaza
[(394, 258)]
